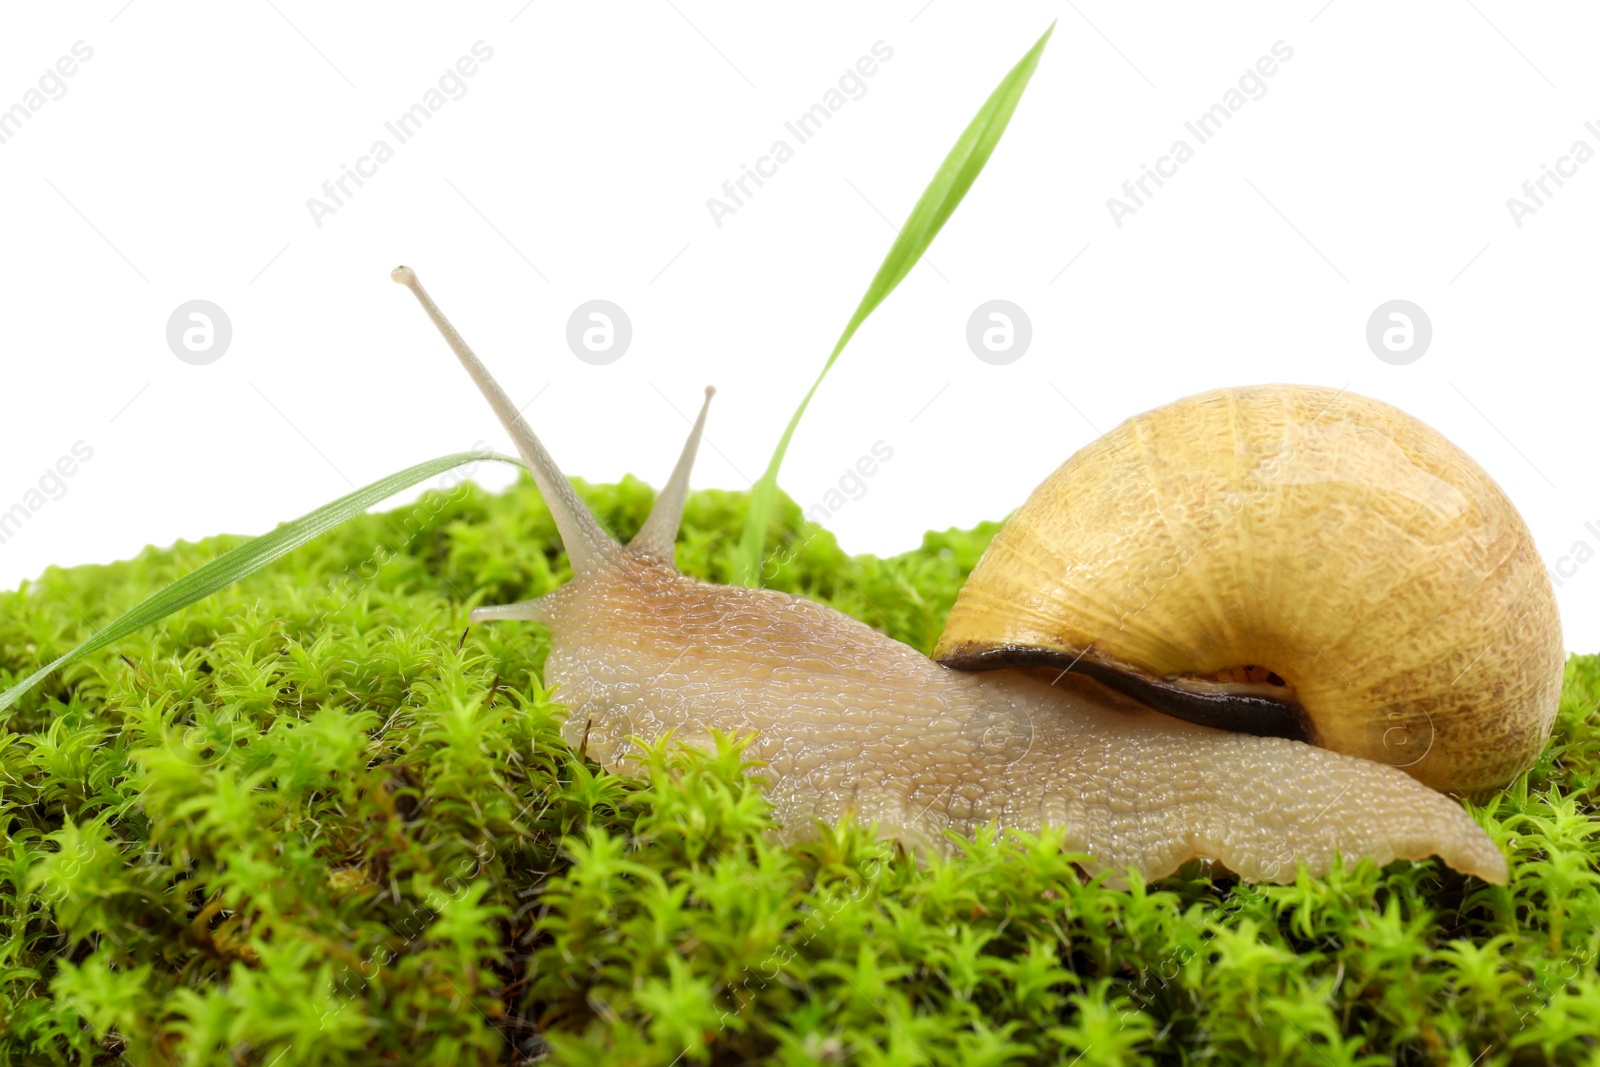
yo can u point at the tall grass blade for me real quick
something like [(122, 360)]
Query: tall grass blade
[(248, 558), (955, 176)]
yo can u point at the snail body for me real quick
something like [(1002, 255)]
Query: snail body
[(848, 722)]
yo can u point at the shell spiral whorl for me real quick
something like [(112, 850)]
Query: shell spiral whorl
[(1295, 547)]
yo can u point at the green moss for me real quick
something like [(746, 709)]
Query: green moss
[(306, 822)]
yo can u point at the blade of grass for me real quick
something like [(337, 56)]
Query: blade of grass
[(248, 558), (955, 176)]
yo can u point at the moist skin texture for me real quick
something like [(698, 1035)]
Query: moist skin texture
[(851, 722)]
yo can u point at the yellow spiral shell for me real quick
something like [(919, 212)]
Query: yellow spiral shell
[(1288, 547)]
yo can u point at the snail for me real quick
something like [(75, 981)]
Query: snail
[(1195, 723)]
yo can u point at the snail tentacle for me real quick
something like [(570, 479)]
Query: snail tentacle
[(535, 610), (587, 543), (655, 538)]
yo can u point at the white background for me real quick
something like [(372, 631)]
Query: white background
[(578, 165)]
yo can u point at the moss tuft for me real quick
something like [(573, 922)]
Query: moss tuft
[(306, 822)]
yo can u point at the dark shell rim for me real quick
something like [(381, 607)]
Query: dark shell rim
[(1235, 711)]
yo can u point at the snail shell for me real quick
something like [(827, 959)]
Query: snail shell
[(1288, 561)]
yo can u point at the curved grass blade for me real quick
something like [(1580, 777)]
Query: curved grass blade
[(955, 176), (248, 558)]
